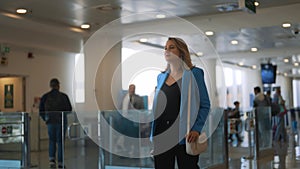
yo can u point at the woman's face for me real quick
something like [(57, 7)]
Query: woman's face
[(171, 51)]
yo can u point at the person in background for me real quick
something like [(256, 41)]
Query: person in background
[(261, 104), (169, 129), (280, 132), (235, 114), (268, 94), (260, 99), (132, 100), (52, 104)]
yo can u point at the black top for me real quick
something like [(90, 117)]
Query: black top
[(236, 115), (52, 104), (168, 102)]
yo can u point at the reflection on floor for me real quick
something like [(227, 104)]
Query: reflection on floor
[(287, 156)]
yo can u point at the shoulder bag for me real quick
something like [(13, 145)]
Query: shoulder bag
[(200, 145)]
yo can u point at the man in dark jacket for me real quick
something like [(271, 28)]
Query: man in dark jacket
[(52, 105)]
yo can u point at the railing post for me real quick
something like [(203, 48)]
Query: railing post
[(25, 162)]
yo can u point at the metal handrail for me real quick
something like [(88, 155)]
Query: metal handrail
[(69, 132)]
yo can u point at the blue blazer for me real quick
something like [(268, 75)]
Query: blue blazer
[(200, 103)]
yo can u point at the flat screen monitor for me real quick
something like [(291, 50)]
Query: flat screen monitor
[(268, 73)]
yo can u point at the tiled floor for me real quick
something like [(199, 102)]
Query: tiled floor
[(287, 155)]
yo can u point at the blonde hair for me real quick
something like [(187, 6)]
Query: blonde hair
[(184, 53)]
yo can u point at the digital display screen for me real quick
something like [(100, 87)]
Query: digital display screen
[(268, 73)]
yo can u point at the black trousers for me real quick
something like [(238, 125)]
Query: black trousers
[(166, 160)]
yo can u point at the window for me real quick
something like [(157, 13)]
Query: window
[(141, 68), (79, 78)]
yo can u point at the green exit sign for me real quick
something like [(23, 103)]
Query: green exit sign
[(6, 49)]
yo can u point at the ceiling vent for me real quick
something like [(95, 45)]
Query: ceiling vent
[(107, 7)]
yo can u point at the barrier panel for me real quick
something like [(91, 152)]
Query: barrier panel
[(15, 129), (263, 132), (216, 155)]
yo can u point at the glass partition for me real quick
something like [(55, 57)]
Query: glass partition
[(14, 140), (122, 140), (216, 155), (263, 134), (132, 140)]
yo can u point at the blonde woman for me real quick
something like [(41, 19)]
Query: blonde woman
[(169, 129)]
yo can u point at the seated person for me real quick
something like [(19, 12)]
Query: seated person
[(132, 100), (235, 114)]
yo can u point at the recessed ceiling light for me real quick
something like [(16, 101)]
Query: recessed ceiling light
[(21, 11), (296, 64), (209, 33), (285, 74), (286, 25), (254, 49), (241, 63), (143, 40), (85, 26), (254, 66), (256, 3), (234, 42), (285, 60), (160, 16), (199, 53)]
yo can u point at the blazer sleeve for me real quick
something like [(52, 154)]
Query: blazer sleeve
[(204, 106)]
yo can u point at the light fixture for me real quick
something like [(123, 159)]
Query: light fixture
[(209, 33), (256, 3), (143, 40), (21, 11), (241, 64), (285, 60), (286, 25), (199, 53), (254, 49), (234, 42), (85, 26), (254, 66), (296, 64), (160, 16), (285, 74)]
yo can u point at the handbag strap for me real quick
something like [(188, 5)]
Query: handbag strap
[(189, 107)]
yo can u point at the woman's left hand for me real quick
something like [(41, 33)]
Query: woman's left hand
[(192, 136)]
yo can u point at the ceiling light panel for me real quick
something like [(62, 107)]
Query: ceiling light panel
[(209, 33), (254, 49), (234, 42), (21, 11), (85, 26), (286, 25)]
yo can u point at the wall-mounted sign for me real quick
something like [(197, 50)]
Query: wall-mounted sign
[(9, 96), (6, 130)]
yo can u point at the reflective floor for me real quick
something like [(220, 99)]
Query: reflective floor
[(79, 156), (286, 155)]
